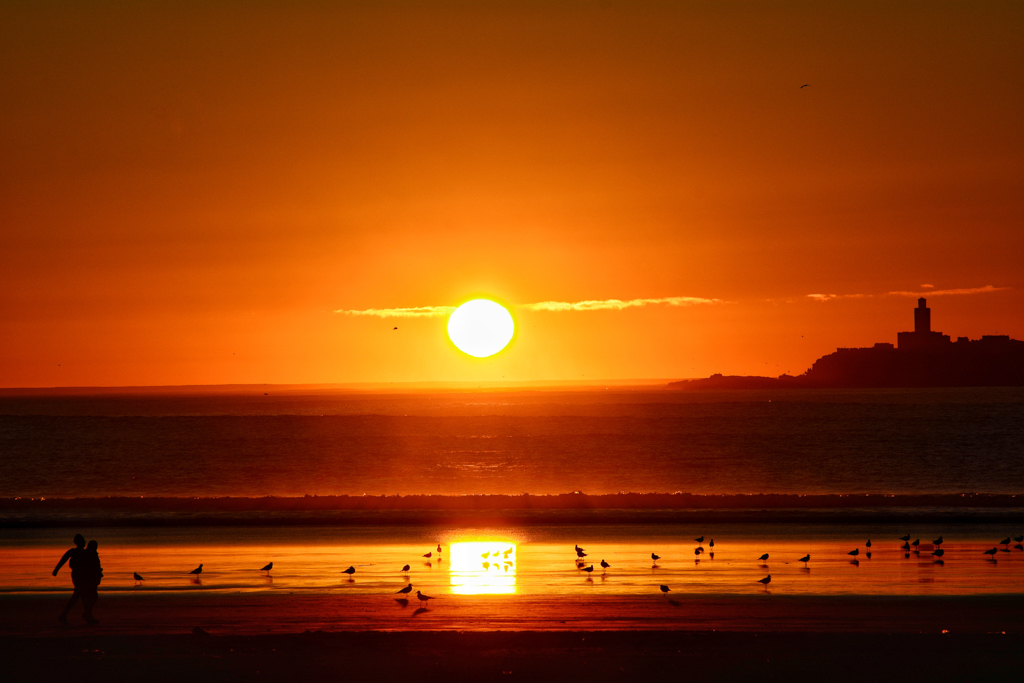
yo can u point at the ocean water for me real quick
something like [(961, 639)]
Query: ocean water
[(922, 441)]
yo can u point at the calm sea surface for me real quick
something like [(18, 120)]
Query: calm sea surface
[(510, 442)]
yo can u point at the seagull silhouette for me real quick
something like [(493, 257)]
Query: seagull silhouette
[(1005, 541), (805, 559), (268, 567), (803, 86), (198, 570), (655, 557), (429, 555), (405, 568), (580, 553), (765, 581), (855, 552), (938, 541), (423, 598), (138, 578), (664, 589), (404, 591), (604, 565), (764, 558), (350, 571), (699, 540), (588, 569), (991, 552), (868, 544)]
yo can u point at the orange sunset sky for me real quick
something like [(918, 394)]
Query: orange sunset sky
[(195, 193)]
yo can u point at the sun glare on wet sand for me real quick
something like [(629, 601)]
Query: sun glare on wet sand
[(483, 567)]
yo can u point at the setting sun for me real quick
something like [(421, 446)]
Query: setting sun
[(481, 328)]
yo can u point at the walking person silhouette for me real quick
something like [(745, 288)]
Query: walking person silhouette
[(76, 557)]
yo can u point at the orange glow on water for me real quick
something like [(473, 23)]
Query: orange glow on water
[(483, 567)]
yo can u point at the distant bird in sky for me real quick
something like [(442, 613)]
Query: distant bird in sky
[(805, 85), (905, 539), (699, 540), (350, 571), (855, 552), (396, 328), (764, 558), (404, 591), (138, 578), (604, 565), (405, 568), (991, 552), (268, 567), (938, 541), (655, 557), (198, 570), (588, 569), (423, 598), (664, 589), (765, 581), (805, 559)]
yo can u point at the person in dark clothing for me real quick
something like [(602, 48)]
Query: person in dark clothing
[(91, 575), (75, 556)]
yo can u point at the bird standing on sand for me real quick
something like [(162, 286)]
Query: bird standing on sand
[(604, 565), (588, 569), (805, 559), (711, 544), (664, 589), (905, 546), (429, 555), (405, 568), (138, 578), (1005, 541), (404, 591), (917, 542), (764, 558), (699, 540), (855, 552), (350, 571), (438, 548), (655, 557), (580, 554), (992, 552), (197, 571), (423, 598), (577, 549), (765, 581), (938, 541), (267, 569), (868, 544)]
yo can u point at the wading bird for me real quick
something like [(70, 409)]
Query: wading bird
[(197, 571), (404, 591), (905, 546), (805, 559), (905, 539), (664, 589), (350, 571), (438, 548), (1005, 541), (270, 565), (855, 552), (868, 544), (604, 565), (423, 598), (655, 557), (917, 542), (588, 569), (765, 581), (992, 552), (429, 555), (764, 558), (580, 554), (699, 540), (938, 541), (711, 544), (405, 568), (138, 578)]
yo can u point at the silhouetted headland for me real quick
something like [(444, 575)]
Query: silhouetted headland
[(922, 358)]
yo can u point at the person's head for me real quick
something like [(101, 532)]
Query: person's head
[(92, 546), (79, 540)]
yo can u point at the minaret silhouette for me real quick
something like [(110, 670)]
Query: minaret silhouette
[(922, 317)]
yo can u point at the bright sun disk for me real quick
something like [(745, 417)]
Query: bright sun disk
[(481, 327)]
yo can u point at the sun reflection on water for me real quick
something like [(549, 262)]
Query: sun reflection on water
[(482, 567)]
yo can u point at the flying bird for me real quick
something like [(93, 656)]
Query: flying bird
[(198, 570), (664, 589), (405, 568), (765, 581), (268, 567), (423, 598), (404, 591), (604, 565), (803, 86), (350, 571)]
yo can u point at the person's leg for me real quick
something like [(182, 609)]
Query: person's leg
[(89, 600), (71, 603)]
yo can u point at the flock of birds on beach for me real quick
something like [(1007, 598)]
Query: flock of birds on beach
[(499, 558)]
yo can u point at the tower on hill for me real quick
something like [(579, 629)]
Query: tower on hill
[(922, 337)]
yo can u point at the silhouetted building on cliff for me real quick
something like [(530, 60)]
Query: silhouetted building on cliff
[(922, 358)]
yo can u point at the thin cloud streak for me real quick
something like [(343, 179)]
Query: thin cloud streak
[(618, 304), (590, 305), (941, 292)]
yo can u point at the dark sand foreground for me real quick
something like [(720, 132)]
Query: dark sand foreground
[(161, 637)]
